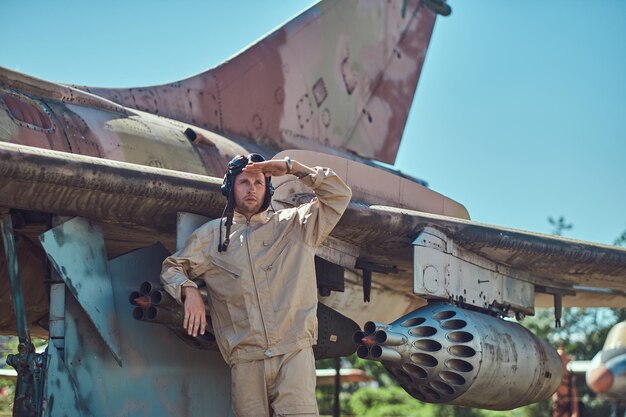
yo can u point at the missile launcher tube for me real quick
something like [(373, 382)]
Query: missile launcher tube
[(456, 356)]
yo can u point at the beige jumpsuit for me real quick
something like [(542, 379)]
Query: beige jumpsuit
[(263, 296)]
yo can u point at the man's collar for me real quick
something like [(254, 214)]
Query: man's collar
[(260, 217)]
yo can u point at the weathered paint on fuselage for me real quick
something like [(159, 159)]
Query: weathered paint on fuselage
[(338, 78), (96, 127)]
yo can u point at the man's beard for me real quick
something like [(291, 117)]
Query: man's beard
[(247, 209)]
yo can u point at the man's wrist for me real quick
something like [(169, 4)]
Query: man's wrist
[(184, 290), (289, 165), (300, 170)]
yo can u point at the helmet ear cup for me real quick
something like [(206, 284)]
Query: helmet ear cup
[(227, 185), (269, 192)]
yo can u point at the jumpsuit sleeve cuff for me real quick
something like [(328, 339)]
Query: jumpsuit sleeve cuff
[(314, 180), (178, 289)]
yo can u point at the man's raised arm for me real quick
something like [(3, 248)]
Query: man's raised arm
[(320, 216)]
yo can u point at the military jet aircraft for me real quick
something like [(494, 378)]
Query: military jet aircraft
[(605, 374), (98, 186)]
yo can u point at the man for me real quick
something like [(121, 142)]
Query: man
[(258, 266)]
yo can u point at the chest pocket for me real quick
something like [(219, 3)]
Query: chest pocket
[(226, 290), (280, 274), (268, 245)]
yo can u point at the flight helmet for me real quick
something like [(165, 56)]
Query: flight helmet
[(235, 167)]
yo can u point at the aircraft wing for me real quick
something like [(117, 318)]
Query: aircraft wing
[(408, 255), (594, 271), (383, 235), (371, 237), (118, 192)]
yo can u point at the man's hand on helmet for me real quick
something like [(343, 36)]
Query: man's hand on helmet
[(278, 167)]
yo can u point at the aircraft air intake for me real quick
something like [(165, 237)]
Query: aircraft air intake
[(442, 353)]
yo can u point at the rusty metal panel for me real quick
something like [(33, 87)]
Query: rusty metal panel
[(161, 376), (27, 113), (76, 249)]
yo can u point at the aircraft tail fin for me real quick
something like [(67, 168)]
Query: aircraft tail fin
[(341, 75)]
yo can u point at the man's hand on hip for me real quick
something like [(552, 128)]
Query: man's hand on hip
[(195, 314)]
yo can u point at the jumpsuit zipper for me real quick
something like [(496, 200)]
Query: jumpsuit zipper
[(256, 289)]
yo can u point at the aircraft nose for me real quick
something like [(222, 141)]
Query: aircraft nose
[(600, 379)]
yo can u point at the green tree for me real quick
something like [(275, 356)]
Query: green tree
[(389, 401), (7, 345), (559, 225), (621, 239)]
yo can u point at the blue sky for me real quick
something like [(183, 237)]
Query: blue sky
[(520, 113)]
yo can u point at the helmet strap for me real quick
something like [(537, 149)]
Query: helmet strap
[(229, 211)]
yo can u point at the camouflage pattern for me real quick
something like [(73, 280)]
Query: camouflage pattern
[(351, 99), (341, 75), (50, 116)]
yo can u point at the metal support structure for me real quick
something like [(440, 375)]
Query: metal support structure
[(443, 270), (368, 268), (558, 310), (14, 276), (57, 311), (367, 285), (76, 249), (28, 364), (57, 301), (162, 377)]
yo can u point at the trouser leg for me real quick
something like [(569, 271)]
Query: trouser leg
[(293, 393), (287, 382), (249, 390)]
